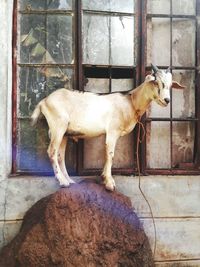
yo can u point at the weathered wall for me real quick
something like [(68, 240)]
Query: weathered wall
[(174, 200)]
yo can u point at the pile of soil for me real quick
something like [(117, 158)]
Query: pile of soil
[(80, 226)]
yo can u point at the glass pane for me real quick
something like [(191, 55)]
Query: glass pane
[(158, 6), (97, 85), (32, 148), (158, 145), (45, 4), (184, 100), (37, 83), (183, 142), (109, 5), (183, 42), (184, 7), (118, 85), (96, 157), (122, 41), (156, 111), (95, 39), (158, 40), (46, 39)]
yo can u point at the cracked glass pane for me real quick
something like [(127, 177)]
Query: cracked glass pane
[(183, 42), (110, 5), (45, 4), (158, 6), (37, 83), (118, 85), (46, 39), (108, 40), (183, 136), (184, 7), (95, 85), (183, 104), (158, 142), (158, 40)]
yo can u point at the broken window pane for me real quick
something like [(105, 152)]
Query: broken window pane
[(45, 4), (158, 6), (109, 5), (183, 105), (183, 42), (183, 142), (46, 39), (158, 145), (122, 41), (158, 40), (96, 157), (37, 83), (95, 39), (184, 7), (97, 85)]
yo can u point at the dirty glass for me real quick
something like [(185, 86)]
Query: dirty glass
[(158, 6), (37, 83), (183, 42), (122, 41), (108, 40), (158, 40), (46, 39), (95, 39), (123, 152), (32, 148), (109, 5), (97, 85), (184, 7), (183, 135), (118, 85), (158, 142), (45, 4), (183, 101), (156, 111)]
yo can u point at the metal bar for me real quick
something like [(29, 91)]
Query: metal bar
[(47, 12), (109, 66), (108, 13), (175, 67), (171, 93), (171, 119), (14, 89), (28, 65), (171, 16), (172, 172)]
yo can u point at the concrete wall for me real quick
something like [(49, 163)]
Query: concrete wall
[(174, 200)]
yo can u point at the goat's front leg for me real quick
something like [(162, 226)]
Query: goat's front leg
[(111, 140)]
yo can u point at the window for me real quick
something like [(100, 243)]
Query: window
[(103, 47)]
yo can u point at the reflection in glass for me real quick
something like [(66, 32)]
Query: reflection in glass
[(46, 39), (45, 4), (183, 142), (184, 7), (158, 6), (37, 83)]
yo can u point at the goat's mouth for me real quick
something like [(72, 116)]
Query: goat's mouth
[(161, 102)]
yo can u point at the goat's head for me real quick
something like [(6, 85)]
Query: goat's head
[(161, 81)]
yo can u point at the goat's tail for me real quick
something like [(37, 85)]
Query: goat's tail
[(35, 115)]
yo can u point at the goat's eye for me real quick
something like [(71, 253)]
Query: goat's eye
[(159, 91), (163, 85)]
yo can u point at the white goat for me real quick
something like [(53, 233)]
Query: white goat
[(77, 115)]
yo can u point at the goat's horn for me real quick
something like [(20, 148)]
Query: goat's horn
[(168, 70), (154, 68)]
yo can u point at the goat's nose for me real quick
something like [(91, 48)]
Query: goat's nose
[(167, 100)]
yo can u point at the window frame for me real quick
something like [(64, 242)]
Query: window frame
[(140, 72)]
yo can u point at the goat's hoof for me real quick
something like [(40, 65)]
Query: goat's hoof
[(65, 184), (110, 186)]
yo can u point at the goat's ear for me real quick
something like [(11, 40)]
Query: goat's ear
[(149, 78), (177, 85)]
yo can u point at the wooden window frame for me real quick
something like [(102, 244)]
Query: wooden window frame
[(140, 72)]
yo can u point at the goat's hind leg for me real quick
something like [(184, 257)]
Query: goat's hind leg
[(57, 134), (61, 159)]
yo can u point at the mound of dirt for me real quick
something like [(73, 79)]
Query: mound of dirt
[(80, 226)]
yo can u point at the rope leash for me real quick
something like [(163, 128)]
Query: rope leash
[(139, 141)]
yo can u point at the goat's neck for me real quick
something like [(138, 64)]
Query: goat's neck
[(141, 99)]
